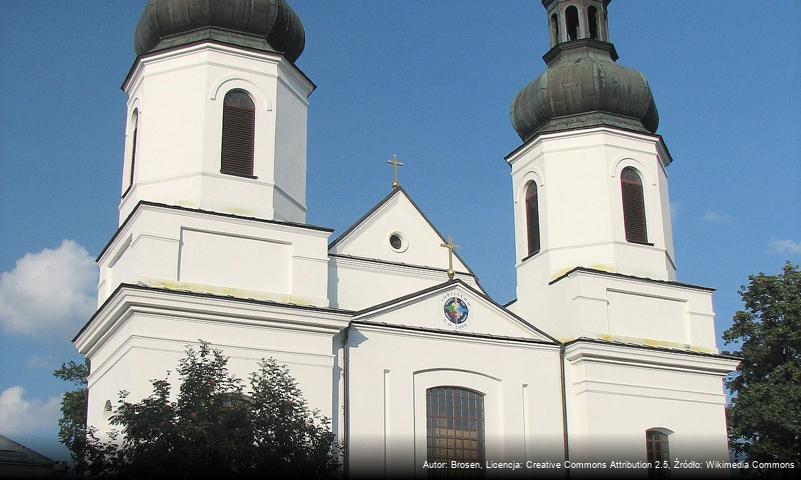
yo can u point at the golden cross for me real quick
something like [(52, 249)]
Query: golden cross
[(395, 164), (451, 247)]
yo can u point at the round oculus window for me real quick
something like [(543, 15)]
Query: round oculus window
[(395, 241)]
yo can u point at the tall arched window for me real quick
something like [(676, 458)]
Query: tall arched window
[(554, 30), (532, 218), (633, 206), (134, 135), (572, 20), (238, 134), (454, 424), (657, 450), (592, 18)]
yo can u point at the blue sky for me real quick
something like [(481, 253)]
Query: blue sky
[(430, 81)]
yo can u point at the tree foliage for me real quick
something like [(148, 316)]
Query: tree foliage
[(212, 429), (765, 413), (72, 424)]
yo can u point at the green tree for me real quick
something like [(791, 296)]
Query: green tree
[(290, 439), (212, 429), (765, 413), (72, 424)]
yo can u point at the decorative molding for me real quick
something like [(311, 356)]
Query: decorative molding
[(232, 82)]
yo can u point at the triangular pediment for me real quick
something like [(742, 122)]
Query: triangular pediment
[(455, 307), (396, 215)]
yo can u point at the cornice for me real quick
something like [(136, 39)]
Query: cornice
[(537, 140), (373, 264), (447, 335), (631, 278), (148, 205), (591, 350), (128, 300), (214, 45)]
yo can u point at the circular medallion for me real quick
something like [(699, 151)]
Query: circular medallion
[(456, 310)]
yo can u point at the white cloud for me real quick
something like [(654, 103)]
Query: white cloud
[(715, 217), (50, 292), (19, 415), (784, 246), (35, 361)]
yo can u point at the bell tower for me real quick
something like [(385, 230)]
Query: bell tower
[(214, 172), (590, 180), (217, 109)]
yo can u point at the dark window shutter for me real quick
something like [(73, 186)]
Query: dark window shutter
[(133, 151), (238, 134), (633, 206), (532, 219)]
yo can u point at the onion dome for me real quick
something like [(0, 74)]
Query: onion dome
[(583, 86), (269, 25)]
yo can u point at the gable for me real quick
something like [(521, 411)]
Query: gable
[(396, 215), (470, 312)]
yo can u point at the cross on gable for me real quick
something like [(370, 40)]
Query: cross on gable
[(395, 164), (451, 247)]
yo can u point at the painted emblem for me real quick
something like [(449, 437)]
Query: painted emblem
[(456, 311)]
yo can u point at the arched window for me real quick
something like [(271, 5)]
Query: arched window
[(592, 18), (107, 411), (134, 135), (238, 134), (532, 218), (554, 30), (572, 18), (454, 424), (633, 206), (657, 450)]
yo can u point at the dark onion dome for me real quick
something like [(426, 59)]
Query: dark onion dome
[(269, 25), (584, 87)]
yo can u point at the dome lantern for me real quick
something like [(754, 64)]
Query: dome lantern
[(582, 86)]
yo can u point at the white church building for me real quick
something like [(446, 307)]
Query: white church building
[(603, 355)]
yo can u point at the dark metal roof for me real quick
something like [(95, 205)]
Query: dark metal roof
[(584, 87), (268, 25), (630, 277), (13, 453), (650, 347)]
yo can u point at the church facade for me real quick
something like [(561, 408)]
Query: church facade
[(602, 355)]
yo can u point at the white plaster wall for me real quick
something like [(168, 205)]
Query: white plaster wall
[(144, 334), (601, 306), (290, 149), (389, 372), (179, 96), (202, 252), (355, 284), (426, 311), (267, 261), (422, 244), (615, 394), (580, 206)]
